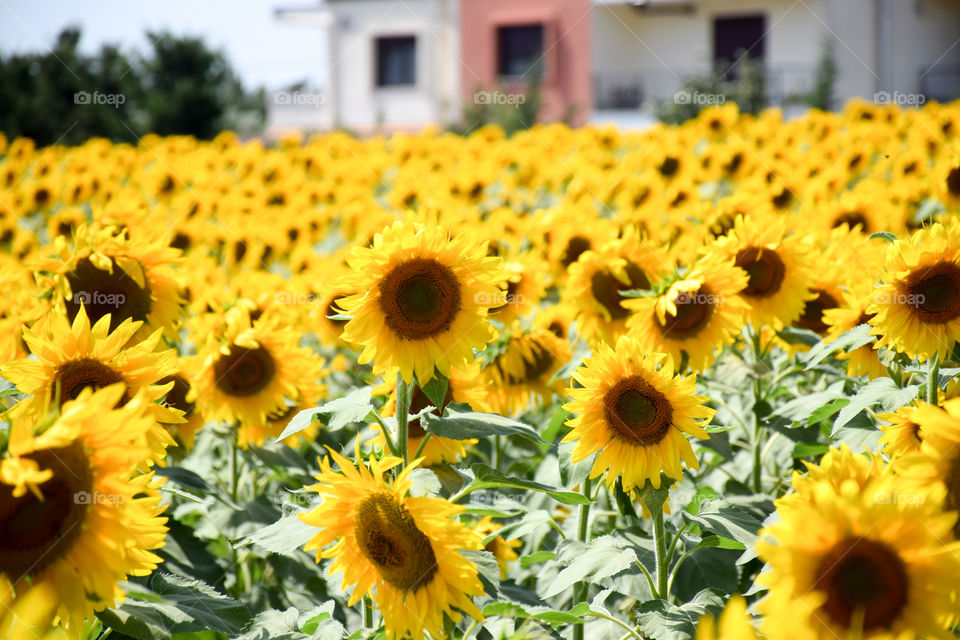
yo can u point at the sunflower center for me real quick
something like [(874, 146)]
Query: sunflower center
[(765, 270), (694, 310), (419, 298), (245, 372), (934, 293), (637, 412), (575, 247), (418, 403), (953, 182), (812, 316), (533, 369), (76, 375), (852, 219), (34, 532), (177, 396), (862, 577), (668, 168), (557, 329), (606, 289), (389, 538), (102, 293), (722, 225)]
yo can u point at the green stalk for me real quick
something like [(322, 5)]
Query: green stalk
[(757, 475), (933, 379), (583, 535), (660, 542), (403, 412), (367, 614)]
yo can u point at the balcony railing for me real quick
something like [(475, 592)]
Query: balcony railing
[(631, 89), (941, 82)]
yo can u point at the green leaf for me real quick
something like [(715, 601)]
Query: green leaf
[(720, 542), (183, 477), (486, 477), (436, 389), (601, 558), (795, 335), (274, 625), (535, 558), (827, 410), (284, 536), (882, 391), (663, 621), (353, 407), (809, 449), (461, 423), (800, 409), (883, 235), (487, 569), (848, 340), (726, 519), (173, 604)]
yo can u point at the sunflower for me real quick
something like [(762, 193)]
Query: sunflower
[(903, 435), (733, 623), (250, 371), (637, 413), (402, 551), (76, 518), (308, 397), (71, 357), (522, 370), (466, 386), (938, 460), (595, 280), (176, 398), (503, 550), (777, 266), (424, 300), (110, 273), (698, 314), (525, 285), (851, 560), (918, 305), (851, 313)]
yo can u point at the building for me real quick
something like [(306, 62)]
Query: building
[(404, 64)]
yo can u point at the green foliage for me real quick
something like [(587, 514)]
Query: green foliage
[(514, 112), (179, 86), (748, 90), (821, 95)]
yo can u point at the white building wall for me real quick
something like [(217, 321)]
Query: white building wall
[(662, 47), (359, 103)]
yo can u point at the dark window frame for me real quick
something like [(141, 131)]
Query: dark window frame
[(380, 81), (538, 59)]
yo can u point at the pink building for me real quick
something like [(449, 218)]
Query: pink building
[(505, 44)]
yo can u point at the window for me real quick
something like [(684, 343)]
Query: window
[(520, 50), (736, 38), (396, 58)]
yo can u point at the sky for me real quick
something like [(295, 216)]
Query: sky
[(263, 51)]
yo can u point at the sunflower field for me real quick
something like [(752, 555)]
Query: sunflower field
[(699, 381)]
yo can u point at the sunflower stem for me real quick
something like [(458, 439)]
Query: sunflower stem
[(583, 535), (933, 379), (403, 416), (367, 614), (234, 466), (660, 549)]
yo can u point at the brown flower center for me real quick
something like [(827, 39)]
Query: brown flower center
[(34, 532), (389, 538), (177, 396), (953, 182), (934, 293), (952, 502), (862, 577), (852, 219), (76, 375), (420, 299), (102, 293), (694, 310), (637, 412), (245, 372), (812, 316), (541, 363), (606, 289), (418, 403), (575, 247), (765, 270)]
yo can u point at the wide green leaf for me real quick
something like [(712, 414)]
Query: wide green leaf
[(460, 422)]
